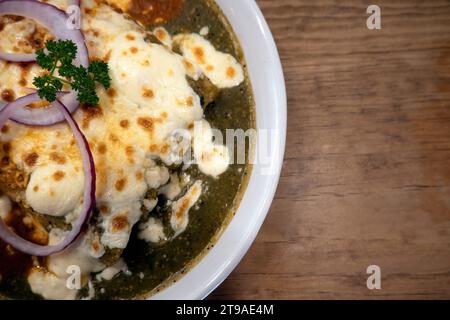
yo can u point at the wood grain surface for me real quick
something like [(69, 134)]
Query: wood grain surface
[(366, 176)]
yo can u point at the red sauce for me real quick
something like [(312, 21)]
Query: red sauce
[(150, 12)]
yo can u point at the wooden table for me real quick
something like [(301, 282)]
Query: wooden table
[(366, 177)]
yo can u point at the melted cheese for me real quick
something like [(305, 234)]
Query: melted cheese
[(17, 32), (221, 68), (212, 158), (163, 36), (156, 176), (150, 204), (117, 224), (50, 286), (17, 78), (180, 209), (84, 255), (123, 5), (52, 283), (54, 190), (152, 231)]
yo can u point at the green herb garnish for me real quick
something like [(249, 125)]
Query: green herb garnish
[(59, 56)]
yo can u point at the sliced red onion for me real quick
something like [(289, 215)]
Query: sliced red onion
[(23, 245), (56, 21), (17, 57), (41, 116), (44, 116)]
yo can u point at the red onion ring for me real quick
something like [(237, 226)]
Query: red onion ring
[(17, 57), (44, 116), (56, 21), (23, 245), (36, 113)]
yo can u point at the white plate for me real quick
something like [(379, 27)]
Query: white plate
[(270, 94)]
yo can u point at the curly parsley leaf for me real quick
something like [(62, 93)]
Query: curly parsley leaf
[(100, 73), (59, 56), (48, 87), (56, 53)]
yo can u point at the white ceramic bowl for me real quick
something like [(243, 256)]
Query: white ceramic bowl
[(270, 94)]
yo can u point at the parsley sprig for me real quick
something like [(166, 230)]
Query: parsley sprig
[(59, 56)]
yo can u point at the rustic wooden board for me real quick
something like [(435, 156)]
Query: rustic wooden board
[(366, 177)]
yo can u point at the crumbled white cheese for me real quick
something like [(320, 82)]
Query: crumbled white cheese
[(156, 177), (150, 204), (204, 31), (173, 189), (152, 231), (112, 271)]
